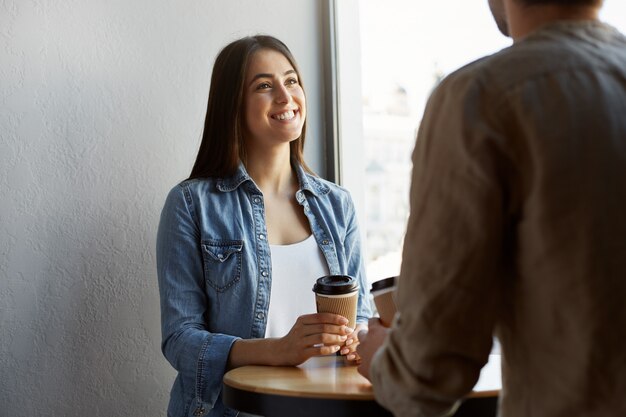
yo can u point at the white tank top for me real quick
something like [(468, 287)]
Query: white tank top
[(294, 271)]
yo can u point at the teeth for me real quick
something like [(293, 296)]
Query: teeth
[(285, 116)]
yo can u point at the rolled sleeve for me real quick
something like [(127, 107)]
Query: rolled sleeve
[(449, 284), (198, 355)]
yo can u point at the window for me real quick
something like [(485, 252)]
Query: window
[(402, 49)]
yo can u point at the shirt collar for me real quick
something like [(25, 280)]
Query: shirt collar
[(307, 181)]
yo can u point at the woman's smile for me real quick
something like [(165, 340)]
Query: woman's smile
[(286, 116)]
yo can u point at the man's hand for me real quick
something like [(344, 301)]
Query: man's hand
[(370, 342)]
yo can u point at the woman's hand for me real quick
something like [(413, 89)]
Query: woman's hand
[(312, 335), (352, 341), (371, 341)]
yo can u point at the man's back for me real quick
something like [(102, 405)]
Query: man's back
[(517, 223), (563, 327)]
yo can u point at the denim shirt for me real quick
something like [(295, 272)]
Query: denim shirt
[(214, 272)]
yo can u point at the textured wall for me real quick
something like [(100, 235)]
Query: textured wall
[(101, 108)]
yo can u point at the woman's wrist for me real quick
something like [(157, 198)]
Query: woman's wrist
[(254, 352)]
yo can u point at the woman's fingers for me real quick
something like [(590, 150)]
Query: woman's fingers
[(318, 318), (317, 350), (320, 350), (323, 334), (346, 349), (311, 329), (350, 353), (325, 339), (322, 329), (349, 349)]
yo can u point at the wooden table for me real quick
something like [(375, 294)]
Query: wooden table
[(327, 386)]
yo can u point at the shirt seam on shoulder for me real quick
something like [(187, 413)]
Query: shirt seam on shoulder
[(189, 202), (511, 89)]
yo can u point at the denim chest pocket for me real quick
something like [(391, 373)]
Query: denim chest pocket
[(222, 262)]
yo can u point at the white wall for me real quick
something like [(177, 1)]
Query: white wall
[(101, 110)]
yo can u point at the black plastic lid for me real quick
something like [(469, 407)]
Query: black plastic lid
[(335, 285), (384, 283)]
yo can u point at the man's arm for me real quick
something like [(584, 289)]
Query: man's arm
[(449, 288)]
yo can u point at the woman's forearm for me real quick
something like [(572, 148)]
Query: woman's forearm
[(253, 352)]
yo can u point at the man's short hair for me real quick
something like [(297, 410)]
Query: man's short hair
[(562, 2)]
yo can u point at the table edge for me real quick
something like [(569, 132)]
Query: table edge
[(300, 394), (349, 397)]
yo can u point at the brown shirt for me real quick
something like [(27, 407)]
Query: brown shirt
[(518, 228)]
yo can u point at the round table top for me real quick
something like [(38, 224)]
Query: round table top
[(331, 377)]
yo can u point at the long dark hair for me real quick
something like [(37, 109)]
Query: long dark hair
[(222, 146)]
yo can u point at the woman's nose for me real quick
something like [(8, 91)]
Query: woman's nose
[(282, 95)]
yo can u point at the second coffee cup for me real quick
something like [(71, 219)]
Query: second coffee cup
[(383, 291), (337, 294)]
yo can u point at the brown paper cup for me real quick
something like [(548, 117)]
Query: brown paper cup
[(383, 293), (337, 294), (386, 306), (343, 304)]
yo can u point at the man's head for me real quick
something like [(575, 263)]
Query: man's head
[(561, 2), (499, 15), (498, 8)]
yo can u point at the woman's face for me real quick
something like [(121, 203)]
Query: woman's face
[(275, 106)]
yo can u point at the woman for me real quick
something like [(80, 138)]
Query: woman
[(241, 242)]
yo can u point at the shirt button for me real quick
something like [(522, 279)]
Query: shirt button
[(260, 316), (262, 237), (264, 273), (257, 200), (220, 256), (325, 242), (199, 411)]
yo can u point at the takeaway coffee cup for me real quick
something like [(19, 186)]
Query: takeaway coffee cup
[(337, 294), (382, 291)]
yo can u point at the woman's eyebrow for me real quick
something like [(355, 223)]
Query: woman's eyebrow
[(267, 75)]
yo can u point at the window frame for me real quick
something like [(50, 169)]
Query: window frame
[(345, 149)]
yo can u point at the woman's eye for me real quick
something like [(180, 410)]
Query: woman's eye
[(263, 86), (292, 81)]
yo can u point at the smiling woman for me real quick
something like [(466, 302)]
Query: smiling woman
[(275, 102), (242, 241), (225, 126)]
